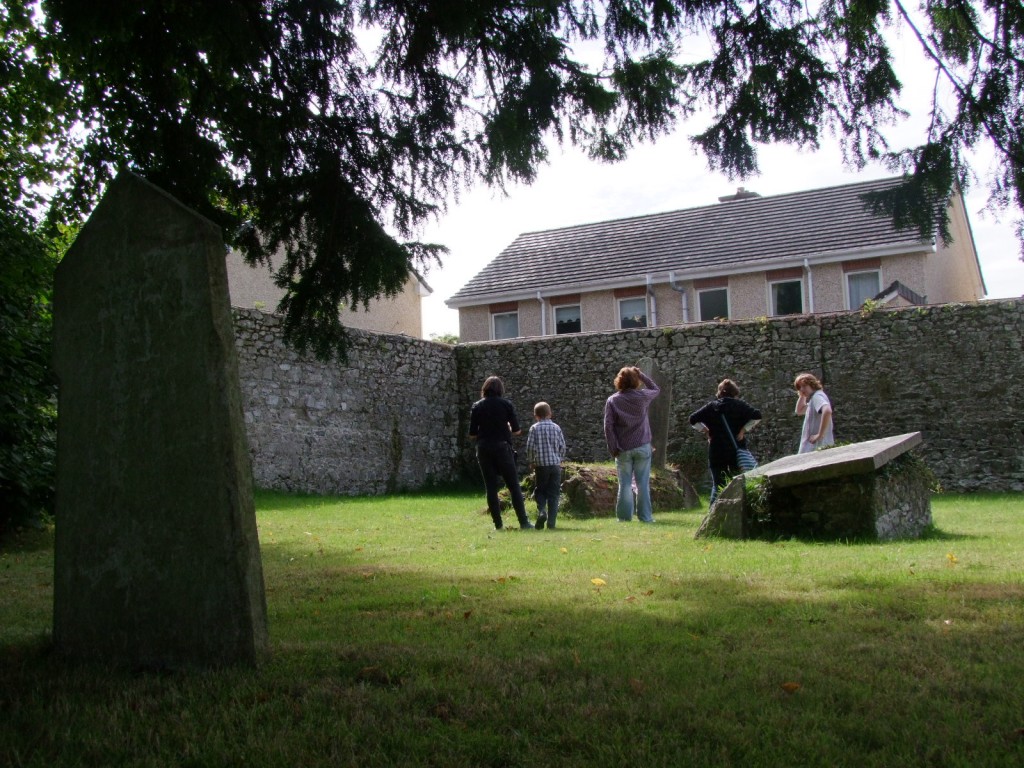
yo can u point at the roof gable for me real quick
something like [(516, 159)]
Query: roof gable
[(736, 236)]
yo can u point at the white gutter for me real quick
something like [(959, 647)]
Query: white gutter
[(810, 286), (654, 303), (684, 295), (543, 315)]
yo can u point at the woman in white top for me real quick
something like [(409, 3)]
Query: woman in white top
[(813, 404)]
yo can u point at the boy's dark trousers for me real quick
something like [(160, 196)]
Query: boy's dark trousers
[(549, 486)]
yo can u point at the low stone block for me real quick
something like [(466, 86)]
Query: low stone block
[(873, 490)]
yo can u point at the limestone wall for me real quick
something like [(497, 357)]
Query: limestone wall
[(396, 415), (955, 373), (382, 422)]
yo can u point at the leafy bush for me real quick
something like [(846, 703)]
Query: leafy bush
[(28, 413)]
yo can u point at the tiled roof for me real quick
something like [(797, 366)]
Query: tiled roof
[(730, 237), (896, 288)]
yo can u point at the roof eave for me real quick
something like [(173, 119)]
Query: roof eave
[(663, 276)]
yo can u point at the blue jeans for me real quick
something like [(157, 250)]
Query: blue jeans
[(634, 464)]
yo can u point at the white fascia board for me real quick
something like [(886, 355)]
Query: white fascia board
[(641, 281), (532, 294)]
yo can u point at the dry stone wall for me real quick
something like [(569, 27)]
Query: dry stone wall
[(384, 421), (397, 414), (953, 372)]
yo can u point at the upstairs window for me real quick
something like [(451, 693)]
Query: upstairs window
[(713, 304), (505, 325), (568, 319), (633, 313), (861, 286), (787, 297)]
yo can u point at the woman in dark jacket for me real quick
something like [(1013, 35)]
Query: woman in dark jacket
[(492, 422), (727, 407)]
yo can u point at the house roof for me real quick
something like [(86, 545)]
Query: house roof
[(896, 288), (741, 235)]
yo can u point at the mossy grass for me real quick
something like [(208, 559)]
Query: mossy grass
[(405, 631)]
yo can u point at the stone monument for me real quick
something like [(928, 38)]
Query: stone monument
[(659, 413), (873, 490), (157, 560)]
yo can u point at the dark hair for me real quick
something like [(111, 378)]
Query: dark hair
[(728, 388), (628, 378), (493, 387)]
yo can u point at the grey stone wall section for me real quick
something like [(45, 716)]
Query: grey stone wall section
[(157, 558), (397, 415), (384, 421), (953, 372)]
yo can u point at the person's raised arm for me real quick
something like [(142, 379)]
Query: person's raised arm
[(801, 404)]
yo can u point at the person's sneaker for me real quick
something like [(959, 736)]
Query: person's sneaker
[(541, 522), (527, 526)]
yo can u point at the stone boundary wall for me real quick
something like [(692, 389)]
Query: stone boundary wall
[(953, 372), (395, 417), (384, 421)]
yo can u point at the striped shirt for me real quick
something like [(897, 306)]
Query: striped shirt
[(625, 417), (545, 445)]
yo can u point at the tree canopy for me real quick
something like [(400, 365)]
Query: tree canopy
[(331, 129)]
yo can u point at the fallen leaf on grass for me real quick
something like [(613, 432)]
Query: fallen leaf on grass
[(648, 593), (951, 558), (631, 599), (636, 685), (791, 687), (599, 582), (564, 551), (467, 614)]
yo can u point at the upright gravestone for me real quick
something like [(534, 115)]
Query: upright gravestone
[(659, 413), (157, 559)]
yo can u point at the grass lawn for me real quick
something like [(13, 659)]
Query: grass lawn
[(405, 631)]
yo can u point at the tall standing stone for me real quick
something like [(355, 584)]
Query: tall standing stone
[(659, 413), (157, 557)]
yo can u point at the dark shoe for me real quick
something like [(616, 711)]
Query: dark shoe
[(541, 522), (527, 526)]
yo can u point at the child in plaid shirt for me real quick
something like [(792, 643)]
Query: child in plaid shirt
[(545, 449)]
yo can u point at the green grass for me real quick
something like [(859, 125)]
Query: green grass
[(406, 632)]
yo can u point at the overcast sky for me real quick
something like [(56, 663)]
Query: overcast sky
[(668, 176), (663, 177)]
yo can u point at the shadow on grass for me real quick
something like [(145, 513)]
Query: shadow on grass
[(378, 661), (394, 667)]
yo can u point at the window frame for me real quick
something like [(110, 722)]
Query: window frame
[(877, 271), (772, 283), (579, 319), (620, 315), (700, 310), (504, 313)]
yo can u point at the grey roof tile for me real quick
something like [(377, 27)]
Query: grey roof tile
[(737, 235)]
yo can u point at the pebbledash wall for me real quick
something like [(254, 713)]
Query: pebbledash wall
[(396, 416)]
